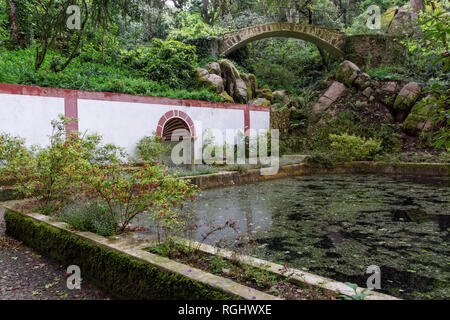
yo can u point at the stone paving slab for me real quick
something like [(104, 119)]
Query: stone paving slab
[(26, 275)]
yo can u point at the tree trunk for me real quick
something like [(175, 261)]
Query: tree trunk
[(417, 5), (14, 29)]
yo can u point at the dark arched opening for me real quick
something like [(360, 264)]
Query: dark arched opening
[(175, 124)]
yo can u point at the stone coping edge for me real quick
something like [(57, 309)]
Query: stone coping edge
[(294, 275), (230, 288), (231, 178)]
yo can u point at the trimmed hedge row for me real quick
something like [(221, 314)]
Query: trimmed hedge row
[(120, 275), (8, 194)]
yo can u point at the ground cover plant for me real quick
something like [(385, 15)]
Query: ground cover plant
[(258, 278)]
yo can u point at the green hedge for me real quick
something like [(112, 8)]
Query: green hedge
[(120, 275), (8, 194)]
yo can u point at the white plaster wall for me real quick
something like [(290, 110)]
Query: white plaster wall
[(125, 123), (259, 120), (29, 116)]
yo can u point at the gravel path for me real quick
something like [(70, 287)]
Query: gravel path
[(25, 275)]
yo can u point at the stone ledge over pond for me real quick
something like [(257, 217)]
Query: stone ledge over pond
[(295, 276), (224, 179), (120, 266)]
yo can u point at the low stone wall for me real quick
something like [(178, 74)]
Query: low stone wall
[(371, 49), (121, 267), (225, 179)]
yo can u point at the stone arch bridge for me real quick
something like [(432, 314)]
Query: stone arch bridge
[(327, 39), (372, 49)]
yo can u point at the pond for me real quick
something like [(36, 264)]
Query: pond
[(336, 226)]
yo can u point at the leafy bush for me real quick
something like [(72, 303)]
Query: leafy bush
[(90, 216), (150, 149), (16, 67), (169, 62), (16, 161), (347, 147), (321, 159), (149, 190)]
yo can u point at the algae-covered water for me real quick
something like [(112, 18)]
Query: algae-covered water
[(336, 226)]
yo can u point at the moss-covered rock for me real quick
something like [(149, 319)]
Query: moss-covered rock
[(419, 119), (260, 102), (227, 97), (347, 73), (407, 96), (214, 68), (229, 74), (212, 82), (265, 93)]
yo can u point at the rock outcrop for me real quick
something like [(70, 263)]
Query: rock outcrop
[(406, 98), (347, 73), (225, 79)]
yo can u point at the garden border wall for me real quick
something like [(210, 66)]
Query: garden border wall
[(121, 267)]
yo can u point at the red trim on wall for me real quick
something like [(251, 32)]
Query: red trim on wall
[(71, 111), (247, 121), (119, 97), (175, 114)]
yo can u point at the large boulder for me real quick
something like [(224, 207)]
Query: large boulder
[(229, 74), (279, 96), (213, 82), (419, 119), (202, 72), (214, 68), (253, 84), (387, 93), (362, 81), (406, 98), (265, 93), (260, 102), (347, 73), (250, 93), (240, 92), (333, 93)]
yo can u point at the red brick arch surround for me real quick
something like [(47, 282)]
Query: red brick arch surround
[(175, 114)]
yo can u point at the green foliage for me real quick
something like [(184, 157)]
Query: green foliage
[(322, 160), (90, 216), (115, 75), (4, 35), (350, 122), (287, 64), (150, 149), (347, 147), (16, 160), (194, 31), (170, 62), (73, 166), (357, 296)]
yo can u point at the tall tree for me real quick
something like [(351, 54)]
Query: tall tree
[(19, 23)]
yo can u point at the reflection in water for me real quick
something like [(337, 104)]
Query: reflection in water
[(337, 226)]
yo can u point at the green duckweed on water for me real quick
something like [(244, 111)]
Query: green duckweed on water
[(337, 226)]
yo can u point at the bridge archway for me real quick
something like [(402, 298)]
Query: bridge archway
[(327, 39)]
